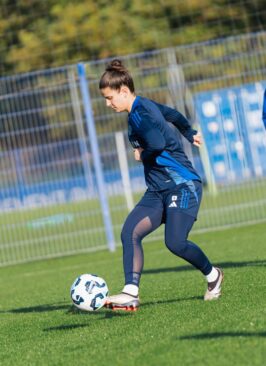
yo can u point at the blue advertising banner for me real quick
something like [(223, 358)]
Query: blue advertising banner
[(233, 130)]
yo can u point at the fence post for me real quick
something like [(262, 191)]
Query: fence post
[(84, 88), (123, 165), (84, 154)]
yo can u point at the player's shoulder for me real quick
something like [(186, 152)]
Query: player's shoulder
[(146, 106), (145, 114)]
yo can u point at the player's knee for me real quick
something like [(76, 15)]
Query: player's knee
[(177, 246), (125, 235), (128, 237)]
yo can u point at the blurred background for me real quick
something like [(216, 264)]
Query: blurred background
[(67, 174), (40, 34)]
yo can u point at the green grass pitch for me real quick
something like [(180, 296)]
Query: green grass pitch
[(174, 326)]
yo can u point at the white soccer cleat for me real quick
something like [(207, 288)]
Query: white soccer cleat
[(122, 301), (214, 289)]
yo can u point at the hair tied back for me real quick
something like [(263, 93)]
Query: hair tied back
[(116, 65), (116, 76)]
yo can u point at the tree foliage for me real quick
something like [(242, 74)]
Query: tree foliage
[(40, 34)]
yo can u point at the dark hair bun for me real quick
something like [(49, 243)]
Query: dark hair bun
[(115, 76), (116, 65)]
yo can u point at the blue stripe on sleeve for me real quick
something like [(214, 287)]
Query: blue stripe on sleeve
[(136, 120), (166, 160), (137, 116)]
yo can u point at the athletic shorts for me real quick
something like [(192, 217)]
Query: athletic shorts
[(185, 198)]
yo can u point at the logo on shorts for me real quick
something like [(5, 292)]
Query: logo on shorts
[(173, 204)]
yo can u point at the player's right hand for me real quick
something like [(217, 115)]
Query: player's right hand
[(197, 140), (137, 153)]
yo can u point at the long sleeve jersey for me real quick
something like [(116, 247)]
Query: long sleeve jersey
[(165, 163), (264, 109)]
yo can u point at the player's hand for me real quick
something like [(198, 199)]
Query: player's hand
[(137, 153), (197, 140)]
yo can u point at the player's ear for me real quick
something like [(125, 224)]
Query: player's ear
[(124, 90)]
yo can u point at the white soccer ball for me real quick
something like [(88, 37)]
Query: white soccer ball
[(89, 292)]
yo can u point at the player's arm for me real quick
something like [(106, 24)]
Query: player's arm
[(264, 110), (153, 142), (180, 122)]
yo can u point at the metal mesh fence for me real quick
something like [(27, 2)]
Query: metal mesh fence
[(50, 200)]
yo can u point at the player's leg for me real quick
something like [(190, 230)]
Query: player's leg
[(140, 222), (180, 218), (177, 228)]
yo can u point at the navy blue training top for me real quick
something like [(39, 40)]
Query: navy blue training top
[(264, 109), (165, 163)]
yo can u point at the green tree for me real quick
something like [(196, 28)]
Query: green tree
[(39, 34)]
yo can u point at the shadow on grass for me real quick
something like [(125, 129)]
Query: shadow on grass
[(155, 303), (71, 309), (223, 265), (101, 315), (38, 309), (65, 327), (203, 336), (108, 314)]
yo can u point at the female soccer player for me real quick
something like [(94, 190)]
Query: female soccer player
[(174, 188), (264, 109)]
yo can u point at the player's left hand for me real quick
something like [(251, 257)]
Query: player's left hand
[(137, 153), (197, 139)]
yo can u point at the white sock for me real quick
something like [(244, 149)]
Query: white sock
[(131, 290), (212, 276)]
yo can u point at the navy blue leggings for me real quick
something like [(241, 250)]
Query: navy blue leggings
[(145, 219)]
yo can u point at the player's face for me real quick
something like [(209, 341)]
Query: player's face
[(116, 99)]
